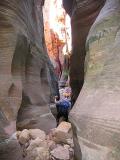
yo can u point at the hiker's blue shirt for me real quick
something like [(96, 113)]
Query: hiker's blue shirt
[(63, 105)]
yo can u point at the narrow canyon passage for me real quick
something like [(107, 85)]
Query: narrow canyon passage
[(57, 29), (64, 49)]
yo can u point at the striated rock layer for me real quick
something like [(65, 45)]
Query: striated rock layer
[(83, 14), (95, 115), (26, 74)]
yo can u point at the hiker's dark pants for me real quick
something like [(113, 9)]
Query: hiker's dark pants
[(61, 113)]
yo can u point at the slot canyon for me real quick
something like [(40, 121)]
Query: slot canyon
[(47, 47)]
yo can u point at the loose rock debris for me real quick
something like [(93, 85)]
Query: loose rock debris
[(57, 145)]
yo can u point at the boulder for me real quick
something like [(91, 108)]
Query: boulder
[(38, 153), (36, 143), (69, 141), (51, 144), (37, 133), (62, 132), (18, 134), (66, 146), (38, 150), (24, 136), (64, 127), (60, 153)]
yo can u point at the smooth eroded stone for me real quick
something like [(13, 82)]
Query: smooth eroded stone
[(60, 153), (38, 153), (36, 143), (96, 113), (64, 127), (24, 136), (10, 150), (27, 79), (37, 133), (62, 132)]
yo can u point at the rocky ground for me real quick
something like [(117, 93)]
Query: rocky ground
[(57, 145)]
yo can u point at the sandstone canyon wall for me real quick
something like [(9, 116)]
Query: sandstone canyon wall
[(27, 81), (53, 35), (83, 14), (57, 36), (95, 115)]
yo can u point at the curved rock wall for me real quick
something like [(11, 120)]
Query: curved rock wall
[(26, 74), (83, 15), (96, 111)]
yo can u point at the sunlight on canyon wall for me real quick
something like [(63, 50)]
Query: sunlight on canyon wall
[(57, 33)]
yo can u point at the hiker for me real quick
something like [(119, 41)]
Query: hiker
[(63, 107)]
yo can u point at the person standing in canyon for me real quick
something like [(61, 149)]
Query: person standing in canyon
[(63, 107)]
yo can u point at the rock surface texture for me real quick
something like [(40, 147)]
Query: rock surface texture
[(95, 115), (83, 14), (39, 147), (27, 79)]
